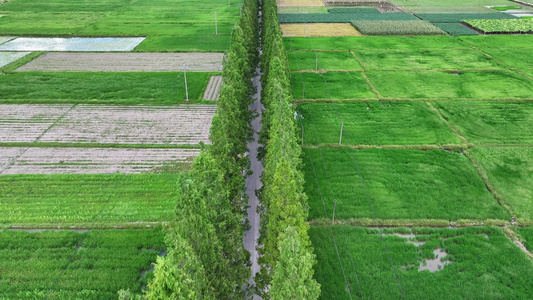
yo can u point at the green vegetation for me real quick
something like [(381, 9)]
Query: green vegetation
[(330, 85), (54, 200), (455, 28), (509, 170), (283, 203), (490, 122), (505, 8), (159, 88), (70, 265), (375, 43), (456, 18), (330, 61), (502, 26), (401, 184), (361, 10), (417, 27), (343, 17), (434, 59), (121, 18), (499, 41), (527, 235), (207, 259), (442, 85), (206, 43), (451, 6), (515, 58), (374, 123), (485, 264)]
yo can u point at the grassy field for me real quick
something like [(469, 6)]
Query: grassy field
[(121, 18), (53, 200), (206, 43), (70, 265), (490, 122), (159, 88), (499, 41), (401, 184), (484, 264), (515, 58), (527, 234), (330, 85), (451, 6), (374, 123), (375, 43), (443, 85), (509, 169), (449, 59), (329, 61)]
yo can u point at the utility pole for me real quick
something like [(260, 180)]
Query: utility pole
[(186, 88), (340, 139), (316, 62), (216, 24)]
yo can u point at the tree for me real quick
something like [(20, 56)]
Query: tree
[(179, 274), (293, 274)]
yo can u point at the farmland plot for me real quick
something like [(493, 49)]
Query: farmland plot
[(374, 123), (319, 29), (451, 6), (70, 265), (9, 57), (527, 234), (4, 39), (126, 62), (374, 43), (95, 160), (513, 57), (326, 61), (404, 28), (499, 41), (490, 122), (371, 263), (159, 88), (449, 59), (26, 123), (182, 124), (331, 85), (510, 170), (401, 184), (86, 200), (443, 85)]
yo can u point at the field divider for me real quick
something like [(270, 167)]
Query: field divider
[(392, 223), (517, 240), (490, 187), (455, 131), (368, 82), (137, 225), (508, 67)]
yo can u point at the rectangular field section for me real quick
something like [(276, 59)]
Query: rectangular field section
[(9, 57), (34, 160), (158, 88), (451, 85), (70, 265), (435, 59), (396, 184), (71, 44), (510, 171), (374, 123), (126, 62), (331, 85), (325, 61), (490, 122), (106, 200), (387, 266)]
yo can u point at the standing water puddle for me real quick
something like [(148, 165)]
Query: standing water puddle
[(9, 57), (410, 238), (436, 264), (72, 44)]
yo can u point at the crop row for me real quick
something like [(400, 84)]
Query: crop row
[(343, 17), (418, 27), (503, 26)]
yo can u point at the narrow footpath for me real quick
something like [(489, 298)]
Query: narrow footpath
[(253, 182)]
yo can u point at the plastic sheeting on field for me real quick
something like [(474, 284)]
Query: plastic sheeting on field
[(72, 44)]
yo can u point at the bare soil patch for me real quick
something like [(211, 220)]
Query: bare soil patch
[(126, 62), (180, 124), (319, 29), (292, 3), (25, 123), (94, 160), (212, 91)]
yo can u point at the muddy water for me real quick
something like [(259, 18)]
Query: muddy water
[(436, 264)]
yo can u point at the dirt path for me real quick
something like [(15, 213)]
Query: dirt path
[(253, 182)]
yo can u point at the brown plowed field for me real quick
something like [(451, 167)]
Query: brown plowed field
[(125, 62)]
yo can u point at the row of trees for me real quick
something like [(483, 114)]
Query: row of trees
[(286, 255), (206, 258)]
